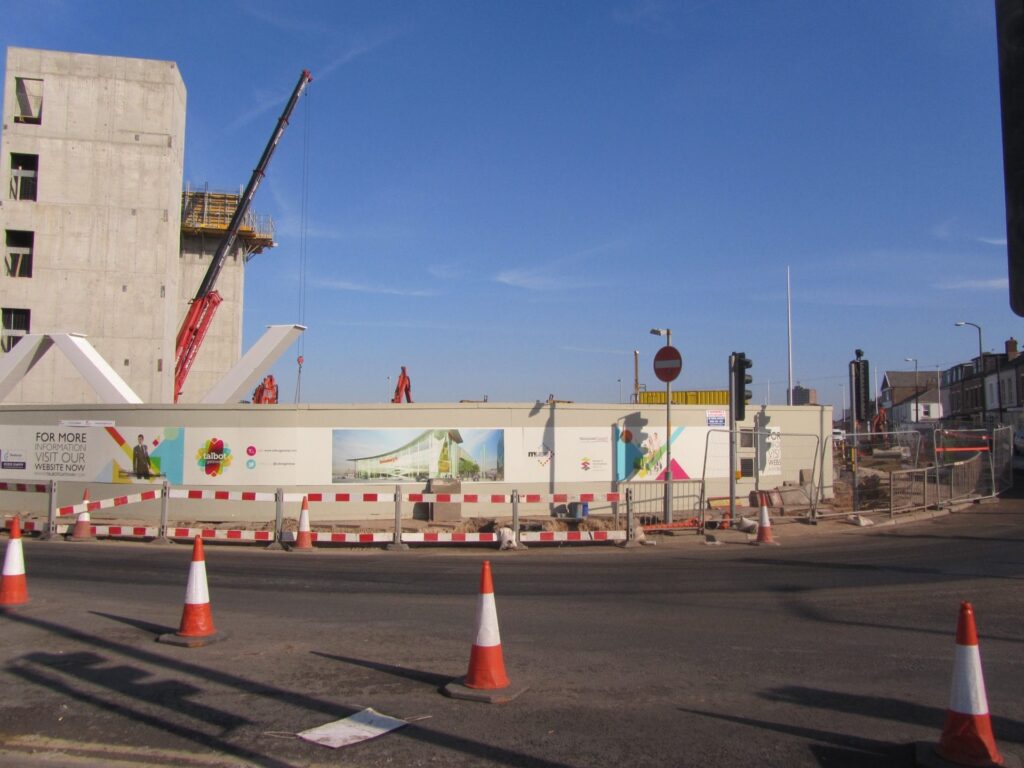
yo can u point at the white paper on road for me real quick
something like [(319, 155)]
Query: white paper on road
[(351, 730)]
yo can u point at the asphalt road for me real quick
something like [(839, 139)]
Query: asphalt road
[(834, 649)]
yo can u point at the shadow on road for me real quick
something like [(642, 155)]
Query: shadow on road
[(58, 673), (809, 613), (148, 627), (883, 708), (416, 675), (854, 750)]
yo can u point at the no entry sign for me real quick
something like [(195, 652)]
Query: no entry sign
[(668, 363)]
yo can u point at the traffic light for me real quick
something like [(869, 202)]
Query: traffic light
[(1010, 45), (739, 379), (860, 385)]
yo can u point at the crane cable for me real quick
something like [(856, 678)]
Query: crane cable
[(303, 252)]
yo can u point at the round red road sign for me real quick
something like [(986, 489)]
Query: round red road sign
[(668, 363)]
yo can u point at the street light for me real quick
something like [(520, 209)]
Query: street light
[(917, 390), (667, 333), (981, 365)]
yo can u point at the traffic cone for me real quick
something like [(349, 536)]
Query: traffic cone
[(764, 525), (196, 619), (83, 528), (486, 679), (13, 588), (304, 539), (967, 737), (83, 523)]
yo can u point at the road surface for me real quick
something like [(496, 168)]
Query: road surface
[(834, 648)]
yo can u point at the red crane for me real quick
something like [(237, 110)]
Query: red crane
[(207, 299)]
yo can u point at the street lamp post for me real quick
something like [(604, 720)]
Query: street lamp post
[(917, 390), (981, 366), (667, 333)]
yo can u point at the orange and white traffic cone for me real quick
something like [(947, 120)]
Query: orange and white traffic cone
[(196, 619), (83, 523), (967, 737), (304, 538), (486, 679), (83, 528), (764, 525), (13, 588)]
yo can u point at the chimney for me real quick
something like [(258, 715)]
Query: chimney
[(1011, 349)]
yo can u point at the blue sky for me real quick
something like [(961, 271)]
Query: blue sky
[(506, 196)]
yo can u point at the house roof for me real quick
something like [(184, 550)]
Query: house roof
[(910, 379)]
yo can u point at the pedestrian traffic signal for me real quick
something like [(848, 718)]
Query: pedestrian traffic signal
[(739, 379)]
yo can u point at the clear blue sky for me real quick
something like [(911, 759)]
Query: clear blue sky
[(506, 196)]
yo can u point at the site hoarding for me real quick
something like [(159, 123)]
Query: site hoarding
[(318, 456)]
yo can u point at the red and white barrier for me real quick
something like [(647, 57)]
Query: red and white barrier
[(194, 493), (440, 498), (442, 537), (117, 501), (328, 537), (219, 534), (550, 536), (376, 537), (340, 498), (24, 487)]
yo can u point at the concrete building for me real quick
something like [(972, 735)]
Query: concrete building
[(804, 396), (94, 233)]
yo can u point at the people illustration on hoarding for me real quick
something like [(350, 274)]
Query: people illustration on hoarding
[(140, 460)]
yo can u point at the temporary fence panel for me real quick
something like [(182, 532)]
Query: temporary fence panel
[(649, 499)]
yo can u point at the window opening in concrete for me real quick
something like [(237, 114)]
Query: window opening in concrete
[(18, 259), (24, 169), (15, 325), (28, 100)]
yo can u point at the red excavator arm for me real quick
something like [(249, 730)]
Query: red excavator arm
[(266, 391), (404, 387)]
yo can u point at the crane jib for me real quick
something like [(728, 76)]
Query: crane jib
[(196, 323)]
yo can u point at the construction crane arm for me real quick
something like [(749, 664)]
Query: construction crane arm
[(204, 304)]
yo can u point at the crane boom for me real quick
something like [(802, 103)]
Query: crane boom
[(204, 304)]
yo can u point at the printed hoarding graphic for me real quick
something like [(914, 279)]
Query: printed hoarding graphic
[(12, 459), (408, 455), (214, 457), (145, 459), (771, 451), (694, 450)]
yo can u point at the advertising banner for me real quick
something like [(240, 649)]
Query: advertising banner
[(417, 455), (91, 453), (258, 456), (642, 454)]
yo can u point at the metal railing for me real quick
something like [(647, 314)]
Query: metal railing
[(648, 498)]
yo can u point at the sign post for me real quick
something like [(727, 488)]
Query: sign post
[(667, 365)]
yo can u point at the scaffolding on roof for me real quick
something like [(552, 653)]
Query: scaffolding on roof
[(209, 213)]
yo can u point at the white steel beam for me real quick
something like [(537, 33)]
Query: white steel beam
[(21, 359), (96, 371), (237, 384)]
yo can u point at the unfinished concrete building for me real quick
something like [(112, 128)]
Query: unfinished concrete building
[(99, 237)]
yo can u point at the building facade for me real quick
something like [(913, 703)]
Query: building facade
[(92, 219)]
